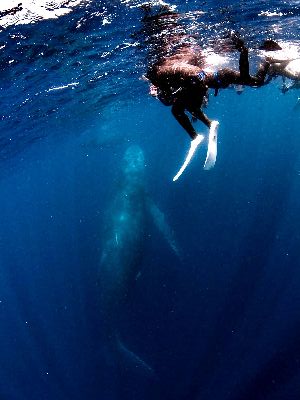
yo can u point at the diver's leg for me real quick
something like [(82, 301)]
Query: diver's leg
[(199, 114), (243, 61), (183, 119), (259, 78), (244, 64)]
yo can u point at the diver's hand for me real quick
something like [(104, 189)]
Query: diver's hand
[(153, 91)]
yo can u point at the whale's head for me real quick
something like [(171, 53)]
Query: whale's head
[(134, 164)]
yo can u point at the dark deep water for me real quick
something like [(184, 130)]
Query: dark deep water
[(222, 322)]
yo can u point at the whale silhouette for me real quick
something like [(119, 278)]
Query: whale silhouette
[(123, 248)]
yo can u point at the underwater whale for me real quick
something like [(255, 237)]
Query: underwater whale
[(123, 248)]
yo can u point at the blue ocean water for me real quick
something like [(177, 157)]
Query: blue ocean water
[(222, 322)]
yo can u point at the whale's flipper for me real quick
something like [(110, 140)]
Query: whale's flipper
[(163, 226), (194, 144), (211, 155)]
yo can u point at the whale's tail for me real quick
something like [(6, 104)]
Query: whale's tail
[(130, 373), (132, 361)]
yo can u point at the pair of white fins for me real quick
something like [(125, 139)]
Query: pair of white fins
[(211, 155)]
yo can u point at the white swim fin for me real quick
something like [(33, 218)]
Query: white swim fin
[(194, 144), (211, 155)]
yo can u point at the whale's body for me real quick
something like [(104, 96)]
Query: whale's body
[(123, 249), (124, 239)]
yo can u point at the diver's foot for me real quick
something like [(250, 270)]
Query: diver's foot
[(195, 142), (238, 43)]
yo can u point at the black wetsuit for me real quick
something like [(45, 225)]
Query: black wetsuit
[(190, 96), (225, 76)]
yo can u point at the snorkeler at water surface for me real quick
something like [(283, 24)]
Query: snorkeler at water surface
[(283, 62), (184, 86), (181, 76)]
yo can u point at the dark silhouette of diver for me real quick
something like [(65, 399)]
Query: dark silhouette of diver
[(178, 71), (180, 76), (183, 85), (283, 64)]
